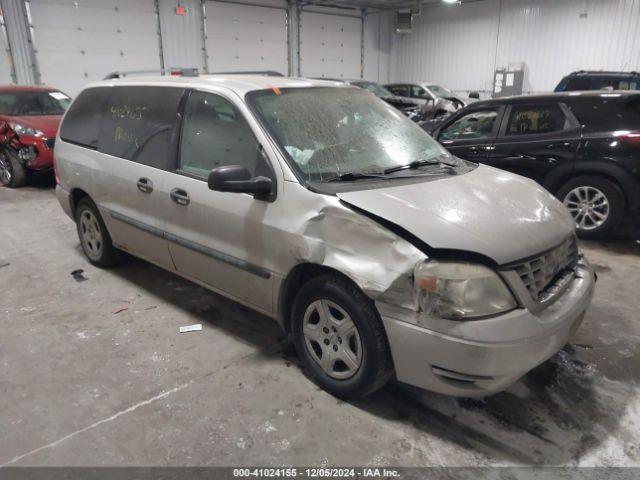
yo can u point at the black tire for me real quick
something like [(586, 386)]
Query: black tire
[(99, 250), (15, 175), (376, 366), (614, 198)]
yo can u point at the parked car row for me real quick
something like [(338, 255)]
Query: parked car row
[(419, 102)]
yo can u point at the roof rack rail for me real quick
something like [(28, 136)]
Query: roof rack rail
[(266, 73), (176, 72)]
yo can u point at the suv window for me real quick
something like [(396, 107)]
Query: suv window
[(531, 120), (577, 84), (138, 123), (82, 123), (29, 103), (418, 92), (399, 90), (478, 124), (627, 85), (607, 114), (214, 134)]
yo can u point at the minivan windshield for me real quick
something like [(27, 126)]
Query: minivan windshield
[(330, 132), (33, 103)]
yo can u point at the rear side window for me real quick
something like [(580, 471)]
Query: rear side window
[(138, 124), (418, 92), (612, 83), (81, 125), (577, 84), (607, 113), (399, 90), (535, 120), (628, 85)]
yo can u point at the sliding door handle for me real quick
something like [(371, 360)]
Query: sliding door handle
[(180, 196), (145, 185)]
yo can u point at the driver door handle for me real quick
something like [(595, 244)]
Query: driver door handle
[(180, 196), (145, 185)]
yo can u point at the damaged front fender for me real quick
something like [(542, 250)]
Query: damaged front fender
[(373, 257)]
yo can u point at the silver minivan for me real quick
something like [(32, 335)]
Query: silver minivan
[(319, 205)]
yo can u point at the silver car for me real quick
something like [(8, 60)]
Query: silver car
[(379, 253)]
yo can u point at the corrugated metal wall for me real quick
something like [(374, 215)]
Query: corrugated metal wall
[(377, 46), (461, 45), (18, 35), (7, 74)]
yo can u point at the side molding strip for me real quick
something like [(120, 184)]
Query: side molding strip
[(196, 247)]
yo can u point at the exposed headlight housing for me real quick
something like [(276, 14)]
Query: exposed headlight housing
[(22, 130), (28, 153), (460, 291)]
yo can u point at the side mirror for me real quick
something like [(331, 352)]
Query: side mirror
[(236, 178)]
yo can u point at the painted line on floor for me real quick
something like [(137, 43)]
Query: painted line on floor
[(100, 422)]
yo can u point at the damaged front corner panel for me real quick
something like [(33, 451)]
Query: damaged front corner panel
[(376, 259)]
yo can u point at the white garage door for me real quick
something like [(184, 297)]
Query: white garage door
[(330, 45), (78, 41), (246, 37)]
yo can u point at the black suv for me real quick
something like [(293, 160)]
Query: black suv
[(582, 146), (597, 80)]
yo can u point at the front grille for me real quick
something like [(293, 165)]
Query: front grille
[(49, 142), (541, 273)]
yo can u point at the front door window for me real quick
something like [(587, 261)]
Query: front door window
[(474, 125), (215, 134)]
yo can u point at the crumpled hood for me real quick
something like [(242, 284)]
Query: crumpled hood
[(488, 211)]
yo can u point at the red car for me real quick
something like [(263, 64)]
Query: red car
[(29, 120)]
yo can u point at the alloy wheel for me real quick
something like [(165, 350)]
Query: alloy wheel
[(91, 234), (332, 339), (588, 206)]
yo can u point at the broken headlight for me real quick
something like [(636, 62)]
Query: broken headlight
[(460, 291), (22, 130)]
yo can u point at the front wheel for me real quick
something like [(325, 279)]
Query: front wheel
[(340, 338), (596, 204), (12, 172)]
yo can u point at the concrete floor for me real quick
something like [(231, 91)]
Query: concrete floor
[(84, 385)]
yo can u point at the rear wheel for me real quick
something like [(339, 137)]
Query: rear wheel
[(340, 338), (12, 172), (596, 204), (94, 237)]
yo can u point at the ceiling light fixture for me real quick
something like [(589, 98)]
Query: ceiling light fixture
[(450, 1)]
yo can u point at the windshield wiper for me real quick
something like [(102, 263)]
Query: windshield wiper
[(353, 176), (417, 164)]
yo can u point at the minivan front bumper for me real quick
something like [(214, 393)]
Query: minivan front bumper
[(482, 357)]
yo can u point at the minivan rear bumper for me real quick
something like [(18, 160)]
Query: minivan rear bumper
[(490, 356)]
